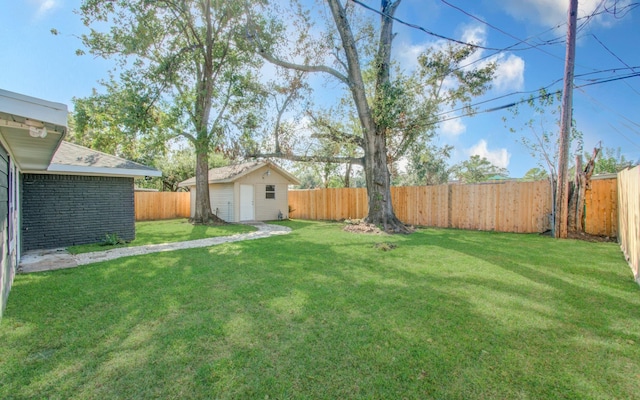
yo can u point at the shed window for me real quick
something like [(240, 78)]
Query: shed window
[(270, 192)]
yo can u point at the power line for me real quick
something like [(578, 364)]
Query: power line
[(515, 103), (537, 47), (428, 32), (617, 58)]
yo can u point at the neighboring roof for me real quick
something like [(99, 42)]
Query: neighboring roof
[(75, 159), (231, 173), (31, 128)]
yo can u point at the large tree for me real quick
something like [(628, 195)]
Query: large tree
[(123, 122), (392, 109), (186, 54)]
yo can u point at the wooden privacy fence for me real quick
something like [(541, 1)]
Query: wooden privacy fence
[(629, 217), (508, 206), (601, 207), (162, 205), (511, 206)]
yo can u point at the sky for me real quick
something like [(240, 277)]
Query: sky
[(37, 63)]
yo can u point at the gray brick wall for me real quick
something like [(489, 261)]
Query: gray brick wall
[(66, 210)]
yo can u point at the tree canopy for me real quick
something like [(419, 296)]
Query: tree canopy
[(478, 169), (187, 59), (394, 108)]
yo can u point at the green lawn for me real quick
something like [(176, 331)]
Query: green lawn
[(324, 314), (168, 231)]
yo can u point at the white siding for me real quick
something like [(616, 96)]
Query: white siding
[(267, 209), (222, 204)]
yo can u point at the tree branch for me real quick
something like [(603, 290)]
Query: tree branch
[(336, 135), (303, 68), (326, 159)]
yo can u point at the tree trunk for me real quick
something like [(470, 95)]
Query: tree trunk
[(375, 159), (347, 175), (203, 214), (379, 187), (578, 193)]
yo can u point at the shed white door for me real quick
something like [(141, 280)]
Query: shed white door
[(246, 203)]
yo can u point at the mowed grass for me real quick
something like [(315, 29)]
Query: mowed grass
[(168, 231), (324, 314)]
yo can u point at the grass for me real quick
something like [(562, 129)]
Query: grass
[(324, 314), (167, 231)]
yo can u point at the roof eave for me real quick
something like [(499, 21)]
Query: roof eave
[(102, 171)]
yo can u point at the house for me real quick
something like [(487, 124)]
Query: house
[(54, 193), (252, 191)]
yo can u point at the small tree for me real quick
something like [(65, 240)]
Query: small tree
[(477, 169), (535, 174), (611, 161)]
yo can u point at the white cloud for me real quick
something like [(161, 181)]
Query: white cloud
[(509, 73), (510, 70), (452, 127), (476, 34), (498, 157), (554, 12), (407, 54), (44, 7)]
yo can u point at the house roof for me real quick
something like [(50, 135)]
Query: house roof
[(231, 173), (31, 129), (74, 159)]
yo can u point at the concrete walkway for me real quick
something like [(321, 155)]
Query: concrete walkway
[(47, 260)]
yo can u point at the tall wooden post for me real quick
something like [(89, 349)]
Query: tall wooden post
[(562, 189)]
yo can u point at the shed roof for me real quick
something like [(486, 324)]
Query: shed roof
[(75, 159), (231, 173)]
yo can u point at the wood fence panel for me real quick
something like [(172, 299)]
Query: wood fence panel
[(510, 206), (151, 206), (628, 186), (601, 208)]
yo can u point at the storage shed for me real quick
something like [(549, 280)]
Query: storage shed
[(252, 191)]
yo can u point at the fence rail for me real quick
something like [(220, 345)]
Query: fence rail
[(511, 206), (629, 217), (162, 205)]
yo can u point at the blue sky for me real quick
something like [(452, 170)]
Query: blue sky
[(36, 63)]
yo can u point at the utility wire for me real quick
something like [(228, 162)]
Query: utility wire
[(428, 32), (591, 82), (537, 47), (509, 105), (617, 58)]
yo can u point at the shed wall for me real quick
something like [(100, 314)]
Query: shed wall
[(66, 210), (221, 198), (267, 209)]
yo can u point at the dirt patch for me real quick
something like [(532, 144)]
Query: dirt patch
[(584, 236), (385, 246), (359, 226), (590, 238)]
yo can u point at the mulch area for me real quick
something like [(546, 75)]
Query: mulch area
[(359, 226)]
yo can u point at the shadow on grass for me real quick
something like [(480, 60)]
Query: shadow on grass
[(321, 313)]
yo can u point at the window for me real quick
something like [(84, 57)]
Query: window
[(270, 192)]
